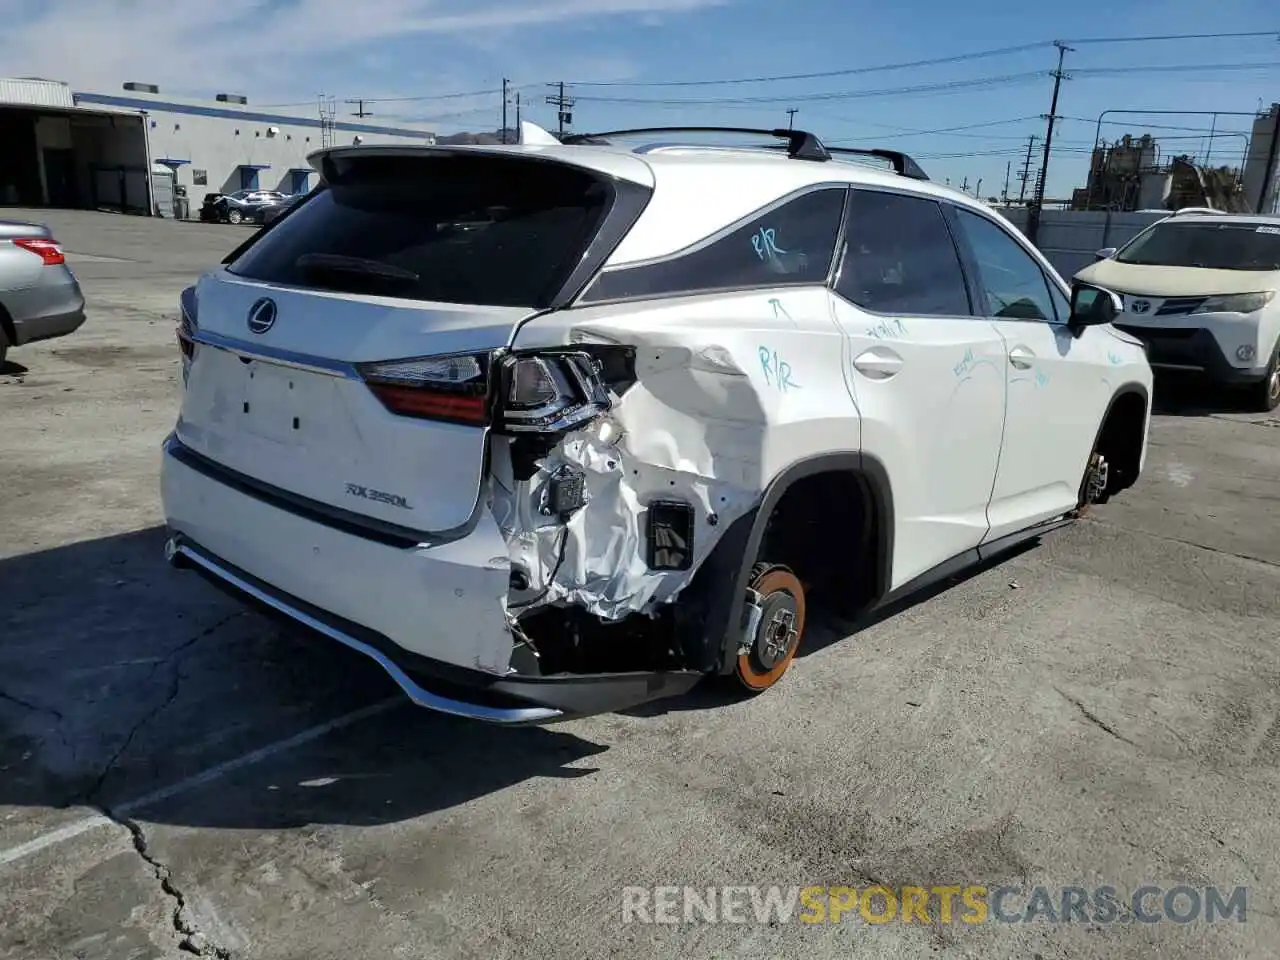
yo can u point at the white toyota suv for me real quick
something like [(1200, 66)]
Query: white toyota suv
[(1202, 289), (558, 428)]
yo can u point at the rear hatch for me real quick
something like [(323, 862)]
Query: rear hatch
[(342, 355)]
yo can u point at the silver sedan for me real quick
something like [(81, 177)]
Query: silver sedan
[(39, 295)]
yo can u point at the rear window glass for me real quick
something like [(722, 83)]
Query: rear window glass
[(493, 231), (1217, 246)]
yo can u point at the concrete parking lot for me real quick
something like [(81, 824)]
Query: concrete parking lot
[(177, 776)]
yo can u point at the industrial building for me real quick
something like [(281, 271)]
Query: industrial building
[(126, 151)]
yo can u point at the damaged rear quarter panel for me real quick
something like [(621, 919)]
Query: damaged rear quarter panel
[(730, 390)]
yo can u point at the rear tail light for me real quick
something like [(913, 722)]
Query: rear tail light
[(187, 329), (550, 393), (453, 389), (532, 393), (44, 248)]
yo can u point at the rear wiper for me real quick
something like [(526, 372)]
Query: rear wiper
[(336, 263)]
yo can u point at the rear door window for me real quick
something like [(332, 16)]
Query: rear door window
[(789, 244), (900, 257), (484, 230)]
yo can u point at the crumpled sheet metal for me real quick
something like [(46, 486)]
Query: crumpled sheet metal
[(597, 560)]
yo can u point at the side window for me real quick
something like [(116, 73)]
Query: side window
[(1014, 286), (900, 257), (789, 244)]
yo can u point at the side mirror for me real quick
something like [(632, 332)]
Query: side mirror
[(1092, 306), (1106, 253)]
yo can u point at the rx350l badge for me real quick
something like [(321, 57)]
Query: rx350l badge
[(378, 496), (262, 315)]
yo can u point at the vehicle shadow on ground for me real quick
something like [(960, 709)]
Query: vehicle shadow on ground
[(1191, 396), (120, 677), (9, 368), (825, 631)]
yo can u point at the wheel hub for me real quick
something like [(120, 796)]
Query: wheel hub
[(776, 633), (1098, 475), (1273, 384)]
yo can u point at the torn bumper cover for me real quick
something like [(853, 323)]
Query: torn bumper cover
[(511, 699)]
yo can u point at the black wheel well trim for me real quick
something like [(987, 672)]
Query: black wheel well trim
[(873, 478), (1131, 389)]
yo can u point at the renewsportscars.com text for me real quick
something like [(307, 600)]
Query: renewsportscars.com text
[(967, 903)]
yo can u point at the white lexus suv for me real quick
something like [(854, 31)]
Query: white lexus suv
[(1202, 289), (559, 428)]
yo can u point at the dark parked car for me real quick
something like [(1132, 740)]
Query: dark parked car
[(243, 206), (275, 212)]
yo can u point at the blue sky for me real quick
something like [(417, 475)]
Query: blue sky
[(286, 51)]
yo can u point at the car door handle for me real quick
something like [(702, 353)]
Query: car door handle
[(1022, 358), (878, 363)]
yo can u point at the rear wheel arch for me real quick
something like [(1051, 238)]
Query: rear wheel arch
[(866, 518)]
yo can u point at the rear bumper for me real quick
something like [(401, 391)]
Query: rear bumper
[(1195, 350), (53, 307), (429, 622)]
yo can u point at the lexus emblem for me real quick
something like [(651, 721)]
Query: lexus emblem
[(1141, 306), (262, 315)]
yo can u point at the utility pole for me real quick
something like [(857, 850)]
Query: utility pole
[(1025, 175), (1269, 171), (504, 109), (517, 112), (563, 105), (360, 110), (1033, 217), (791, 116), (1008, 168)]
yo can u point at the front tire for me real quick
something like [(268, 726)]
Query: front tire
[(234, 216), (1265, 396), (779, 632)]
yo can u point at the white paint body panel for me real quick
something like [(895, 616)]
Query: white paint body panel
[(343, 434), (444, 602), (935, 426)]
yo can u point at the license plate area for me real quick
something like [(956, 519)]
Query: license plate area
[(272, 408)]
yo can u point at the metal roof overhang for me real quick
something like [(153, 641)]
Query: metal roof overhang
[(106, 113), (253, 166)]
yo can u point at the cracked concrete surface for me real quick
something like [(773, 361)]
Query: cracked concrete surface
[(1114, 720)]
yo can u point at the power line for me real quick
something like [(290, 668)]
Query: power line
[(835, 95), (1180, 36), (822, 75), (1173, 68), (915, 64)]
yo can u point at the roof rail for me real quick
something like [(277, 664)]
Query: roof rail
[(1185, 210), (903, 165), (801, 144)]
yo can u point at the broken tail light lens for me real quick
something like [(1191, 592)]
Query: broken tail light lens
[(550, 393), (44, 248), (453, 389), (187, 330)]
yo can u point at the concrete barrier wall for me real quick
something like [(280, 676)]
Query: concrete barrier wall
[(1069, 238)]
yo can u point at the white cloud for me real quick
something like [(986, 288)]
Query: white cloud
[(266, 47)]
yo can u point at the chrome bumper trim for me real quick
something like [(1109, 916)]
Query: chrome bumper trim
[(176, 552)]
